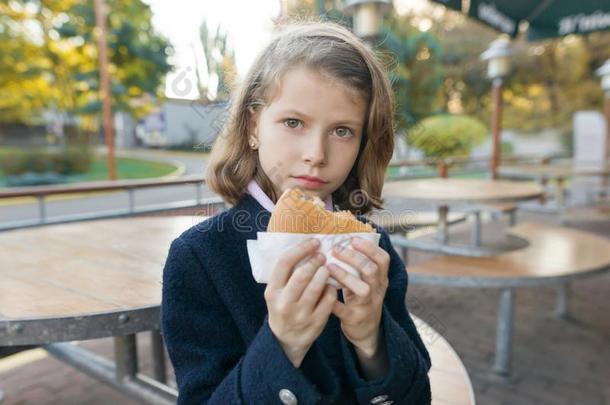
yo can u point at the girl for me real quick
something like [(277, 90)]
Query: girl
[(314, 111)]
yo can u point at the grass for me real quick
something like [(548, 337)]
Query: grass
[(126, 168)]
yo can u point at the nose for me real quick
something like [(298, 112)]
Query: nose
[(315, 149)]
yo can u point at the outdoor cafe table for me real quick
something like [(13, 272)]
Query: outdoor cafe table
[(102, 278), (558, 173), (447, 192)]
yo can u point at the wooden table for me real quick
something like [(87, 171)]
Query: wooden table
[(555, 256), (103, 278), (449, 380), (447, 192), (90, 280), (557, 173)]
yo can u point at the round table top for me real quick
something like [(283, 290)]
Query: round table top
[(451, 191), (554, 255), (553, 171), (449, 380), (91, 269)]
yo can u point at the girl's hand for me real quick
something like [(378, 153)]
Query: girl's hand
[(360, 315), (298, 300)]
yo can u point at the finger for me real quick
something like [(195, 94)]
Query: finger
[(348, 280), (313, 290), (366, 267), (340, 310), (289, 259), (374, 252), (325, 305), (301, 277)]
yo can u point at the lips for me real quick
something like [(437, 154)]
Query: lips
[(312, 178)]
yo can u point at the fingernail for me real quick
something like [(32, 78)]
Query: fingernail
[(314, 242)]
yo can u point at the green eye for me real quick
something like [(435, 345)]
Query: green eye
[(343, 132), (292, 123)]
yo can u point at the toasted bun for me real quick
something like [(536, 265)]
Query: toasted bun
[(299, 212)]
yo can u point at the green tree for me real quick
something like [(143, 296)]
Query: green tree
[(447, 135), (219, 64), (417, 76), (59, 59)]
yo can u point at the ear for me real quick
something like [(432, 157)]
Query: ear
[(252, 123)]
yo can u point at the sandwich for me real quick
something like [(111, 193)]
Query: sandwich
[(299, 212)]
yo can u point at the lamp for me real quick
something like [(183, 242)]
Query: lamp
[(604, 73), (368, 16), (498, 67)]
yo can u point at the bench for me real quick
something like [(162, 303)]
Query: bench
[(499, 209), (555, 256), (449, 380), (408, 220), (595, 213)]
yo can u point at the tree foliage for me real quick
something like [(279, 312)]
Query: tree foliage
[(447, 135), (49, 58), (219, 64)]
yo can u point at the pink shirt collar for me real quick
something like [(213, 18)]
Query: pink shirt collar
[(263, 199)]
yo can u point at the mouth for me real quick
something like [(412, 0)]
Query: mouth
[(312, 178), (310, 182)]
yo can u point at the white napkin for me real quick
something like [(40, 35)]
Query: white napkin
[(264, 252)]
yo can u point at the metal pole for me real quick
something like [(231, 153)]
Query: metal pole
[(607, 150), (42, 209), (496, 126), (562, 310), (132, 200), (125, 357), (105, 93), (139, 387), (476, 231), (504, 332), (442, 230), (158, 356)]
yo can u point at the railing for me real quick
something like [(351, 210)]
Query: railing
[(471, 166), (442, 165), (130, 186)]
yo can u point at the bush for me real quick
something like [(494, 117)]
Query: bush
[(73, 160), (447, 135)]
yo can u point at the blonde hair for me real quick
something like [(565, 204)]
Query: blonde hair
[(330, 49)]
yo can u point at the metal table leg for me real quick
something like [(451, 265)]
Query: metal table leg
[(512, 217), (562, 309), (504, 332), (476, 231), (125, 356), (158, 356), (121, 375), (443, 235)]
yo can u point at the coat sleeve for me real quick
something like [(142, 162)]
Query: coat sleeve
[(407, 381), (211, 363)]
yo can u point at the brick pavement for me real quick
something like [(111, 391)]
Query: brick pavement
[(555, 361)]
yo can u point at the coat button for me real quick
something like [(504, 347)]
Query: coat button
[(287, 397), (379, 399)]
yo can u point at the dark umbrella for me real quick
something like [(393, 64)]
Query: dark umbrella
[(546, 18)]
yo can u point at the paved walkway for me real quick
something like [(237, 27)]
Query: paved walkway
[(554, 361)]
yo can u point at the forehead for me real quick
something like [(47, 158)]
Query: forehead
[(306, 88)]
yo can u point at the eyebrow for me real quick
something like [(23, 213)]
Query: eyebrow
[(307, 117)]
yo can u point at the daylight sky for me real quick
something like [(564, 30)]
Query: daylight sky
[(248, 23)]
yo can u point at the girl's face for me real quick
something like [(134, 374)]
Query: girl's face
[(312, 127)]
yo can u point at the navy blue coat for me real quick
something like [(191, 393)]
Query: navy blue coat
[(215, 325)]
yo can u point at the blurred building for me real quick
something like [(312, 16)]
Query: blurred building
[(182, 123)]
